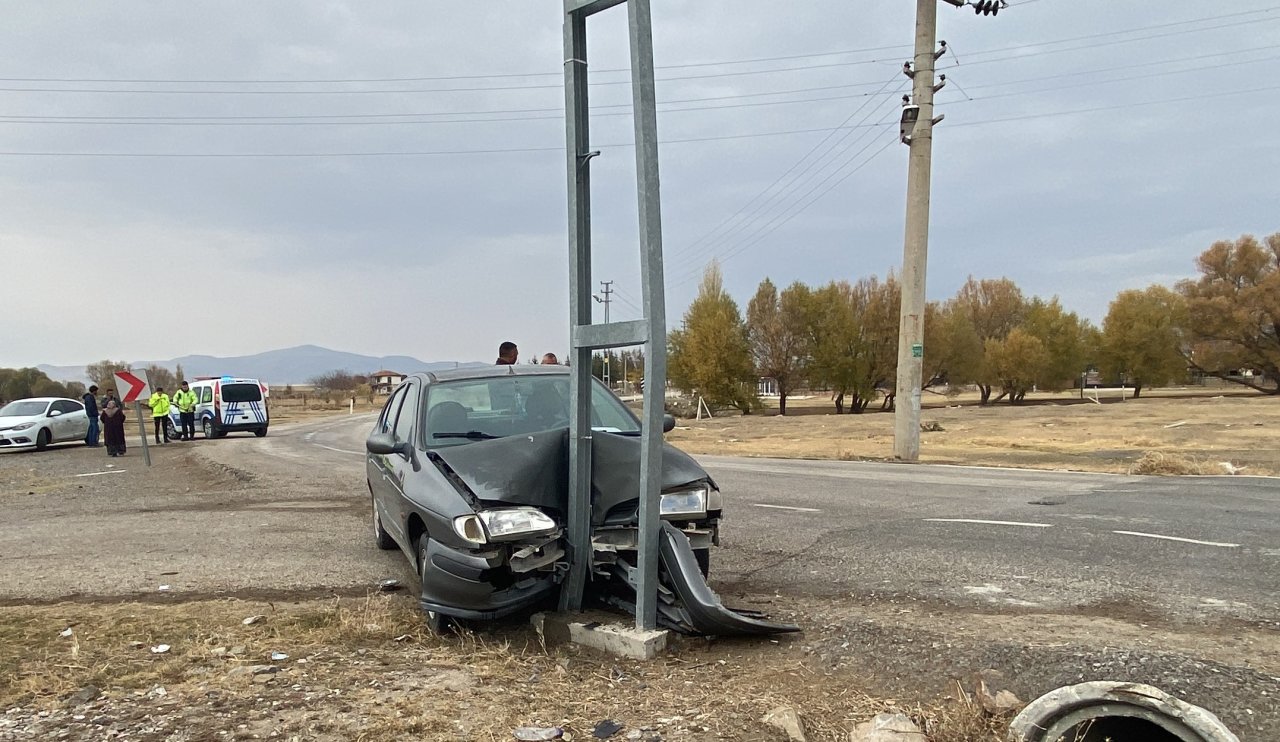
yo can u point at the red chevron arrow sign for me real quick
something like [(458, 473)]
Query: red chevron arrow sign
[(132, 385)]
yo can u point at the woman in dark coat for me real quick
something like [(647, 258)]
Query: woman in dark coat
[(113, 428)]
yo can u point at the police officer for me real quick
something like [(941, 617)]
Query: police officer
[(159, 404), (185, 400)]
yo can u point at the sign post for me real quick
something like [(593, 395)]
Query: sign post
[(133, 386)]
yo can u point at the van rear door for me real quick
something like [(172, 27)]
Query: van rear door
[(242, 404)]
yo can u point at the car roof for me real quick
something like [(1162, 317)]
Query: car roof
[(488, 372), (45, 399)]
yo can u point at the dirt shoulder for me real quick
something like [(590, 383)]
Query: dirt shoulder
[(1052, 432)]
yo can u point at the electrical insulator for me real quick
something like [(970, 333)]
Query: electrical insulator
[(986, 7)]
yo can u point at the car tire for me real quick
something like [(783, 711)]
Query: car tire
[(206, 427), (42, 439), (170, 431), (260, 432), (437, 623), (380, 535)]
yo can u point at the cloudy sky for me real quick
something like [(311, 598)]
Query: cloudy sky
[(388, 178)]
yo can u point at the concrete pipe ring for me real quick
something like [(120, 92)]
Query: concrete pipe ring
[(1109, 710)]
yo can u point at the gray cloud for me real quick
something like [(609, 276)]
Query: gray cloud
[(443, 256)]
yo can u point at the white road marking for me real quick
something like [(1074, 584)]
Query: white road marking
[(1178, 538), (96, 473), (339, 450), (990, 522), (785, 507)]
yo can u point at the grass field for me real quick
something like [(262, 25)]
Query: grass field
[(1177, 430)]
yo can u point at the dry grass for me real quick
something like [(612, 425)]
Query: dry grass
[(366, 669), (1050, 432), (1171, 464)]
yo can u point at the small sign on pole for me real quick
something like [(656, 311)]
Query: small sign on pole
[(133, 386)]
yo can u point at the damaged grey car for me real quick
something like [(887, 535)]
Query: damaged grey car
[(468, 474)]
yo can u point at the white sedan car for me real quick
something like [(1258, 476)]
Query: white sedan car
[(39, 421)]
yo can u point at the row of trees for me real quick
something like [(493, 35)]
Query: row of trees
[(844, 336), (19, 383)]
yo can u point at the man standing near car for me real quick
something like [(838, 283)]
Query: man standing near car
[(159, 404), (507, 354), (91, 409), (185, 400)]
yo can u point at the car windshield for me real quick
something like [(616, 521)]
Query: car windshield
[(460, 412), (23, 408)]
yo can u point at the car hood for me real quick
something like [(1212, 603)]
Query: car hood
[(534, 469), (8, 421)]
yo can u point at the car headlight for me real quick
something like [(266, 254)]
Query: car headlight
[(685, 502), (22, 426), (503, 525)]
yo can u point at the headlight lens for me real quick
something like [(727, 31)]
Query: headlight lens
[(503, 525), (685, 502), (715, 500), (22, 426)]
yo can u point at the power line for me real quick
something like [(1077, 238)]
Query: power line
[(1037, 45), (686, 65), (560, 148), (558, 111)]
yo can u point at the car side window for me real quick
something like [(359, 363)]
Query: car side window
[(206, 396), (388, 419), (65, 405), (408, 411)]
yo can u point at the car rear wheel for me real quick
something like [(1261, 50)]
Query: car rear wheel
[(380, 535), (260, 432), (42, 439), (437, 623)]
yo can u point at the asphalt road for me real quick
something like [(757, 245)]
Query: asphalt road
[(911, 574)]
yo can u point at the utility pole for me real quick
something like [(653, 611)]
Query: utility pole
[(606, 288), (917, 132), (915, 249)]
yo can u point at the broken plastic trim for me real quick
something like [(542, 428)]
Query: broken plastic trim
[(702, 608), (1092, 712)]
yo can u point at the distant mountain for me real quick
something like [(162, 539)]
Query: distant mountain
[(287, 366)]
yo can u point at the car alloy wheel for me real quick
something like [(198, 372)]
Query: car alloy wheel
[(42, 439), (380, 535), (437, 623), (206, 427)]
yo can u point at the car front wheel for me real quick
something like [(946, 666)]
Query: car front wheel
[(206, 427), (380, 535), (437, 623), (42, 439)]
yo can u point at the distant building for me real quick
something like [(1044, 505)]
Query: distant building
[(383, 382)]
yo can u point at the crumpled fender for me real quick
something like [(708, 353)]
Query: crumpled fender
[(702, 607)]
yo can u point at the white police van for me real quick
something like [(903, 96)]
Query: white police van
[(227, 404)]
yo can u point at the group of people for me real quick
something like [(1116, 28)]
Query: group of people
[(508, 353), (106, 417)]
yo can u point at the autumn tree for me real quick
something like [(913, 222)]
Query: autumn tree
[(1233, 311), (1141, 337), (1070, 342), (18, 383), (711, 353), (1015, 363), (775, 329), (853, 339), (102, 373), (994, 306), (160, 377), (952, 348)]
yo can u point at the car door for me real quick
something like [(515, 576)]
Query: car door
[(385, 497), (400, 467), (66, 423), (77, 421)]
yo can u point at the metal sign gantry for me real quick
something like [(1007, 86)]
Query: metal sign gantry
[(650, 331)]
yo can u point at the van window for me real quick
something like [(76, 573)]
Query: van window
[(241, 393), (207, 395)]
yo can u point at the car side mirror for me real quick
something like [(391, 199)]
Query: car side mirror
[(54, 413), (385, 444), (668, 423)]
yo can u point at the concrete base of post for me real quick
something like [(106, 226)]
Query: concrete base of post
[(602, 632)]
